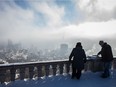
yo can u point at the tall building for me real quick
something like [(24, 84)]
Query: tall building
[(63, 49), (10, 44)]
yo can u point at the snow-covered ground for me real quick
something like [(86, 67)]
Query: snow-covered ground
[(88, 79)]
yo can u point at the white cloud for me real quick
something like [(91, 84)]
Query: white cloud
[(106, 4), (50, 11), (18, 24), (97, 10), (91, 30)]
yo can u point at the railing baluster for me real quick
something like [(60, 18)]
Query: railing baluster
[(114, 63), (26, 72), (22, 73), (67, 68), (12, 73), (2, 75), (98, 66), (39, 68), (31, 71), (91, 65), (8, 75), (54, 66), (61, 68), (86, 66), (47, 69)]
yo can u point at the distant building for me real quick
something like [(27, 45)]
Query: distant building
[(10, 44), (63, 49)]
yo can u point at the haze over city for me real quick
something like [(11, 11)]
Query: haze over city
[(49, 23)]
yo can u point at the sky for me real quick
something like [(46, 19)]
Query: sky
[(88, 79), (56, 21)]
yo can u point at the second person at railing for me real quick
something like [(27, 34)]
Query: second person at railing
[(107, 57)]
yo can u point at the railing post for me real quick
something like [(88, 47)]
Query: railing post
[(86, 66), (61, 68), (22, 73), (31, 72), (47, 69), (54, 68), (98, 65), (12, 73), (91, 65), (114, 63), (67, 67), (2, 74), (39, 68)]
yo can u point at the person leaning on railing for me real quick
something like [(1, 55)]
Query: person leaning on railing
[(79, 58), (107, 57)]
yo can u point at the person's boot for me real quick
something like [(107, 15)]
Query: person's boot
[(104, 76)]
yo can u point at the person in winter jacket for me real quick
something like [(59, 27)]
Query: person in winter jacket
[(107, 57), (79, 58)]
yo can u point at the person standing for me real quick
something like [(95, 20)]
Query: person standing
[(107, 57), (79, 58)]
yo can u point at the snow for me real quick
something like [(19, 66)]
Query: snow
[(9, 64), (88, 79)]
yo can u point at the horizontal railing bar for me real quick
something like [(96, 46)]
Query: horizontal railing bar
[(39, 63)]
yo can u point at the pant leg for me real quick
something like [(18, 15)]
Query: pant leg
[(107, 67), (78, 74), (73, 72)]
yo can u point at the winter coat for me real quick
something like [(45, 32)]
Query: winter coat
[(79, 58), (106, 53)]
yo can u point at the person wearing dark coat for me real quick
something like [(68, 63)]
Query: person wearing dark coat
[(107, 57), (79, 58)]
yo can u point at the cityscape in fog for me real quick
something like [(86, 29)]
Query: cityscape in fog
[(16, 53), (41, 30)]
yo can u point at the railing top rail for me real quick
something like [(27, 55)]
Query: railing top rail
[(43, 62), (32, 63)]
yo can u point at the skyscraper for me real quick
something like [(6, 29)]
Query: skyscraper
[(63, 49)]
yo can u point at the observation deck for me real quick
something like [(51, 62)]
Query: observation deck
[(11, 73)]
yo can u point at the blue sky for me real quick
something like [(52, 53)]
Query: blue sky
[(52, 20)]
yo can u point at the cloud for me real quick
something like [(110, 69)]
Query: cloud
[(91, 30), (97, 10), (18, 23), (14, 20), (50, 11), (41, 22)]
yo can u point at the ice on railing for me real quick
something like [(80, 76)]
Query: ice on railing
[(94, 57)]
